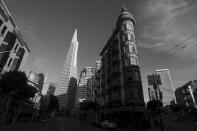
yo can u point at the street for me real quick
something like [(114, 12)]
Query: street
[(68, 124), (57, 124)]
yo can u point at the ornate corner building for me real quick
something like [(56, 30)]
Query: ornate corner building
[(121, 85), (13, 49)]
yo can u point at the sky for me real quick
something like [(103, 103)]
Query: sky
[(47, 26)]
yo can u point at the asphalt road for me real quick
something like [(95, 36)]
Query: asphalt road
[(67, 124), (58, 124)]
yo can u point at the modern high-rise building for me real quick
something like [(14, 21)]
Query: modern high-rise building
[(40, 81), (45, 85), (67, 84), (51, 88), (85, 75), (121, 85), (166, 86), (13, 49)]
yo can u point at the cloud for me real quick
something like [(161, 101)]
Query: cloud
[(40, 62), (166, 23)]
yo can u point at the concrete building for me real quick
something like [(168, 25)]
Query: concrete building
[(85, 75), (13, 49), (51, 88), (93, 85), (187, 94), (67, 84), (40, 81), (121, 85), (32, 79), (45, 85), (166, 86)]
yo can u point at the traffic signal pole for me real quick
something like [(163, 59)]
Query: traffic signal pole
[(156, 86)]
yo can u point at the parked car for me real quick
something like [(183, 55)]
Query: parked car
[(108, 124)]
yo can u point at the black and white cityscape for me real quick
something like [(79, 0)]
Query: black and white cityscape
[(123, 65)]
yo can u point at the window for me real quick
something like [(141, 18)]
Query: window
[(132, 60), (129, 27), (16, 47), (123, 27), (130, 37), (3, 30), (123, 38), (1, 22), (135, 61), (9, 62), (132, 48), (126, 62), (83, 74), (136, 76)]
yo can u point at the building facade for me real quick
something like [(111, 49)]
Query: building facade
[(32, 79), (68, 77), (40, 81), (13, 49), (85, 75), (93, 85), (51, 88), (121, 85), (166, 86), (187, 94)]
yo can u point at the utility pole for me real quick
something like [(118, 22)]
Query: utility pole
[(155, 81), (190, 90)]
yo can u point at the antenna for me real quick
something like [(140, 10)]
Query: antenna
[(123, 5)]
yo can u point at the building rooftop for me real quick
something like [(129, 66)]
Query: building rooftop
[(16, 29)]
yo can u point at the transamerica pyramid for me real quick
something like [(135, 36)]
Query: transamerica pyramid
[(67, 83)]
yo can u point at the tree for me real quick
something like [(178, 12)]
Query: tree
[(86, 105), (14, 83), (154, 104), (28, 92), (177, 107), (53, 103)]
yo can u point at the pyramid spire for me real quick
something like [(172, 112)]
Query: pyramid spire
[(74, 36)]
